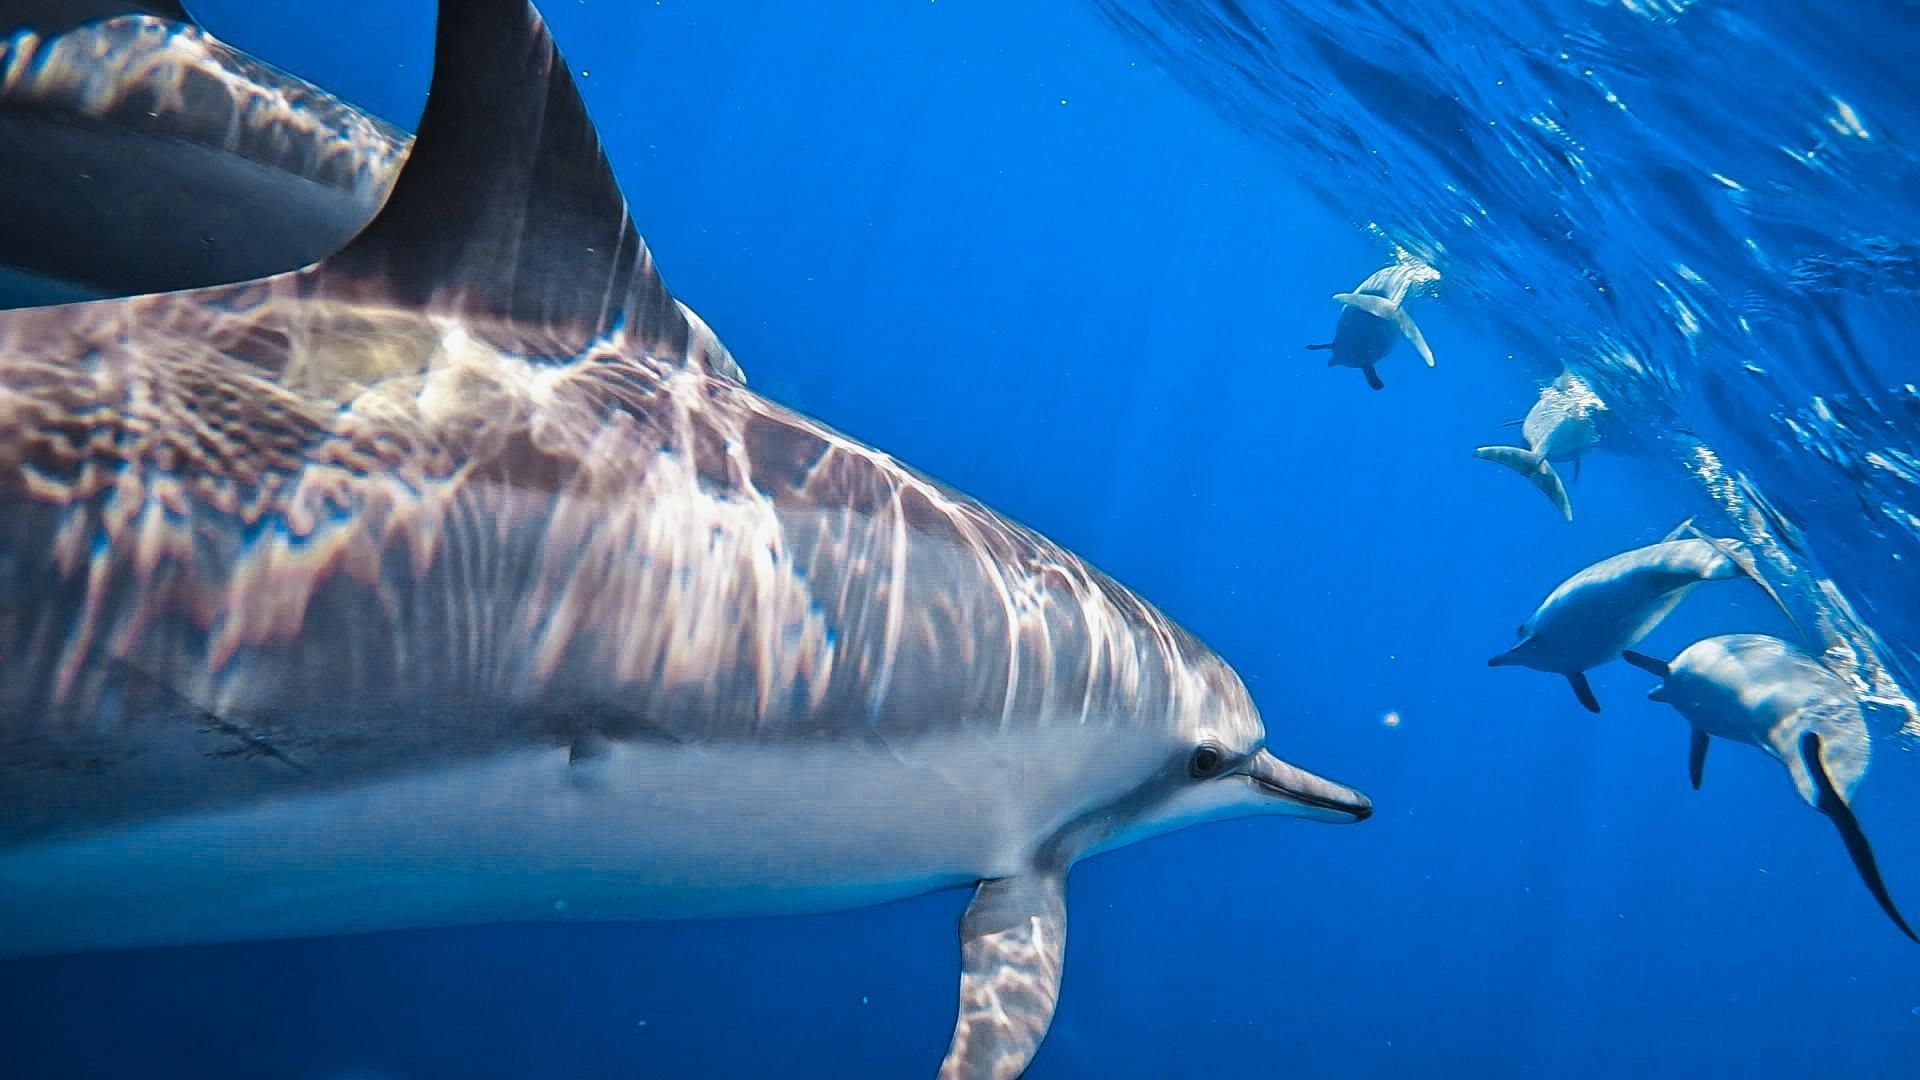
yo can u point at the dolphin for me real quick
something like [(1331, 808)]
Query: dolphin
[(144, 155), (1561, 426), (177, 183), (1374, 313), (1759, 690), (455, 579), (1589, 618)]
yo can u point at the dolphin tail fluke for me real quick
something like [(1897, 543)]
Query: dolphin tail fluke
[(1383, 308), (1012, 943), (1535, 468), (1583, 690), (1373, 377), (1741, 557), (1697, 758), (1831, 804)]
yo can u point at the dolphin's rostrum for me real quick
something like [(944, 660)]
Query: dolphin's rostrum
[(457, 578)]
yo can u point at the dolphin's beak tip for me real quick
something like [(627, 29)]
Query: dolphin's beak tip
[(1363, 811)]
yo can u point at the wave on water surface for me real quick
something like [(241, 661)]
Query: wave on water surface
[(1707, 209)]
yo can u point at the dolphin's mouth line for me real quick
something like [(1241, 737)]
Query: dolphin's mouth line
[(1358, 811)]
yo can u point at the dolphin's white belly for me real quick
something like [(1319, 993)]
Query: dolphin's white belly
[(640, 831)]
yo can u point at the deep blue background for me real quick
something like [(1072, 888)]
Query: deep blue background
[(994, 241)]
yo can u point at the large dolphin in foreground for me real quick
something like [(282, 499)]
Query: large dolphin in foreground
[(456, 579), (1372, 318), (1760, 690), (1588, 619), (1561, 426)]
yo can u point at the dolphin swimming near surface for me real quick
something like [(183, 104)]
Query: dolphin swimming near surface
[(1561, 426), (142, 155), (457, 579), (1591, 617), (1762, 691), (1374, 317)]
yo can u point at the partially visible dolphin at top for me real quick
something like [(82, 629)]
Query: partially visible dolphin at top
[(1762, 691), (1561, 426), (1591, 617), (1374, 317), (142, 154), (456, 579)]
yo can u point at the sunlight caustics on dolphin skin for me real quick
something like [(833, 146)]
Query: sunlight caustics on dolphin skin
[(458, 578)]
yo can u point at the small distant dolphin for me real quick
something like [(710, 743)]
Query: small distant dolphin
[(1608, 607), (1561, 426), (457, 578), (1374, 317), (1760, 690)]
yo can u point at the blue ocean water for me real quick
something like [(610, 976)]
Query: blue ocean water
[(1066, 259)]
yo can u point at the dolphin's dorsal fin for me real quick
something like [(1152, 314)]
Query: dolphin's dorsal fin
[(52, 17), (506, 214)]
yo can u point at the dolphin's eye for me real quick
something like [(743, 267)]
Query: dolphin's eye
[(1205, 762)]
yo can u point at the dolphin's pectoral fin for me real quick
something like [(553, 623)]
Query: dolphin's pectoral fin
[(1583, 690), (1576, 469), (1831, 804), (1679, 531), (1012, 943), (1697, 758), (1373, 377), (1535, 469), (1511, 423)]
